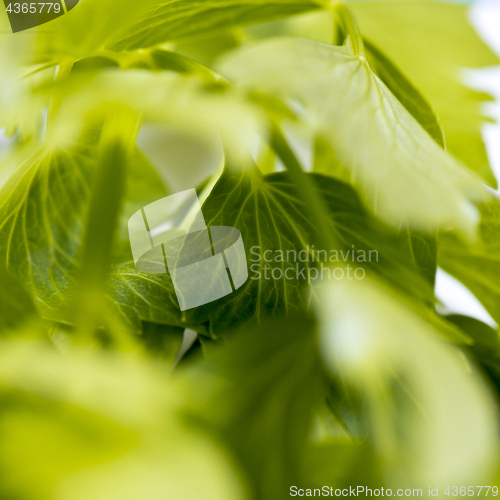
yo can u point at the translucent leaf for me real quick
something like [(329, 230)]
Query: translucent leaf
[(433, 42), (42, 213), (402, 88), (85, 29), (404, 174), (160, 98)]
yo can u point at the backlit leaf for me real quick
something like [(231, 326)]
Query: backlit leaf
[(433, 42), (403, 173)]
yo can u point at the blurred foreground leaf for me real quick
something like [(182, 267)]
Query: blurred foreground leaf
[(425, 404), (257, 392), (101, 426)]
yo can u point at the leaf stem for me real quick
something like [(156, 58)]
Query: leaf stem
[(350, 28), (118, 137), (314, 205), (63, 70)]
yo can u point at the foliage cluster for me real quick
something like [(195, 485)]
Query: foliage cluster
[(302, 123)]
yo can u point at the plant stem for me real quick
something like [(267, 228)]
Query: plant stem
[(314, 205), (350, 28), (62, 72), (117, 140)]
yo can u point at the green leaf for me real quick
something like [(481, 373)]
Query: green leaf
[(402, 88), (16, 305), (180, 20), (425, 405), (476, 264), (432, 42), (278, 238), (341, 463), (106, 199), (257, 391), (405, 176), (160, 98), (41, 209), (42, 212), (163, 342)]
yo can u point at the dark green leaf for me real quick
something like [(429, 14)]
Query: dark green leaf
[(476, 264), (16, 305), (272, 221), (339, 463), (257, 392), (486, 347), (162, 341)]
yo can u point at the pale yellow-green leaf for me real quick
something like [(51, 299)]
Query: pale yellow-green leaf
[(404, 174), (102, 426), (433, 42), (432, 418)]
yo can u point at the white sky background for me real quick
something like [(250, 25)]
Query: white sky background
[(485, 16)]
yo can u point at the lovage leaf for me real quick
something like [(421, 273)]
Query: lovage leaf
[(177, 20), (278, 238), (402, 88), (42, 212), (433, 42), (405, 176)]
